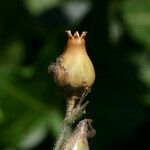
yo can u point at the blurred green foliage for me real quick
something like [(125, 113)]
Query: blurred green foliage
[(32, 35)]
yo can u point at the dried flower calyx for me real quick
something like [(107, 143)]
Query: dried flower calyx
[(78, 140), (74, 70)]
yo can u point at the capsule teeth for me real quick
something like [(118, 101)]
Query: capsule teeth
[(83, 34), (69, 33), (76, 34)]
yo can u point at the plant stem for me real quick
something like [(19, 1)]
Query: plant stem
[(62, 137), (72, 114)]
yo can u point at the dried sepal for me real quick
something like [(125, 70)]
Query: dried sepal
[(78, 140)]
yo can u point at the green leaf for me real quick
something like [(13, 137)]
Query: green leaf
[(13, 53), (37, 7), (136, 15), (25, 119)]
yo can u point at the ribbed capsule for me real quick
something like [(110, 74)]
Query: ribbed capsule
[(74, 68)]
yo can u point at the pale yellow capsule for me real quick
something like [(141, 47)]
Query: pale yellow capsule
[(74, 67)]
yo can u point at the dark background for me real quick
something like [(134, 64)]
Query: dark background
[(118, 42)]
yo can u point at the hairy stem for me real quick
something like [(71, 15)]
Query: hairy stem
[(72, 114), (62, 137)]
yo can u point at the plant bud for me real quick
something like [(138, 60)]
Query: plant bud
[(78, 140), (74, 69)]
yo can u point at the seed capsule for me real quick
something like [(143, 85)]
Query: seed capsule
[(74, 69)]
